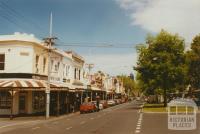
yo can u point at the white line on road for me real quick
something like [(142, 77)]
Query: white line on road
[(91, 118), (35, 128), (69, 128), (139, 123), (138, 128), (137, 131)]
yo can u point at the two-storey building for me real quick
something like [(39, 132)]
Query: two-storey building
[(24, 73)]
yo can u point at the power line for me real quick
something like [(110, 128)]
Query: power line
[(92, 46), (17, 17)]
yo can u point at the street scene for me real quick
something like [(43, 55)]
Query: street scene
[(99, 67)]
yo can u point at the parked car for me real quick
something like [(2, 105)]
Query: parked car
[(88, 107), (111, 102), (104, 103), (118, 101), (100, 105)]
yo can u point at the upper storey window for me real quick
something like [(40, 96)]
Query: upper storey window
[(2, 61)]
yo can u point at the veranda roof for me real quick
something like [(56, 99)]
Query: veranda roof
[(30, 84)]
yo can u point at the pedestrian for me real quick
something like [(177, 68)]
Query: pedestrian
[(98, 101)]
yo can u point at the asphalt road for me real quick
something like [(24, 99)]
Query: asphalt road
[(158, 124), (121, 119)]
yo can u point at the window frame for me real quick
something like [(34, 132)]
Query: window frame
[(2, 62)]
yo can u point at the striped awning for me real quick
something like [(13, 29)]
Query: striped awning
[(30, 84)]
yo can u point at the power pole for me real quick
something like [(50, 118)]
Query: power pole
[(90, 66), (49, 41)]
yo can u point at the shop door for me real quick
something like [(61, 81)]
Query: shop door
[(22, 104)]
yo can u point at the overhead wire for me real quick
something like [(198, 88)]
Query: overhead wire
[(16, 18)]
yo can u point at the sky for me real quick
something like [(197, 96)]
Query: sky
[(121, 23)]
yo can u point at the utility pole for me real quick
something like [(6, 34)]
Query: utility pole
[(90, 66), (49, 41)]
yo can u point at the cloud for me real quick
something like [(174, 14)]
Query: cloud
[(176, 16), (113, 64)]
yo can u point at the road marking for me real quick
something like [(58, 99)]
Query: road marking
[(91, 118), (69, 128), (137, 131), (139, 123), (35, 128), (83, 122), (68, 119), (138, 128)]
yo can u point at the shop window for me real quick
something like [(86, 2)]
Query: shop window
[(5, 100), (2, 61), (38, 100)]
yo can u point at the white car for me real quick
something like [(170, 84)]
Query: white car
[(111, 102)]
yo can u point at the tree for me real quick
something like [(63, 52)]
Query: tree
[(161, 63), (128, 83), (193, 62)]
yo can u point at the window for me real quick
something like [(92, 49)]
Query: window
[(38, 100), (37, 63), (75, 73), (67, 71), (57, 66), (5, 100), (52, 62), (44, 64), (2, 61), (79, 74)]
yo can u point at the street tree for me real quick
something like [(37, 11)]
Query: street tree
[(161, 63), (128, 83), (193, 62)]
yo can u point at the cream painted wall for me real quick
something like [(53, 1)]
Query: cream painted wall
[(18, 58)]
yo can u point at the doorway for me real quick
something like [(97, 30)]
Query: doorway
[(22, 103)]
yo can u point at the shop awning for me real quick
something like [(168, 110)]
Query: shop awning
[(30, 84), (96, 88)]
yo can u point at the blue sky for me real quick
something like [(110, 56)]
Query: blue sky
[(119, 22)]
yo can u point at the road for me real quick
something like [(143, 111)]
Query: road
[(121, 119)]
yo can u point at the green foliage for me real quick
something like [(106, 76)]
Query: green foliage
[(193, 62), (161, 64), (127, 82)]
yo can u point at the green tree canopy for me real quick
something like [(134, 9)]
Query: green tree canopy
[(161, 63), (193, 62), (128, 83)]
